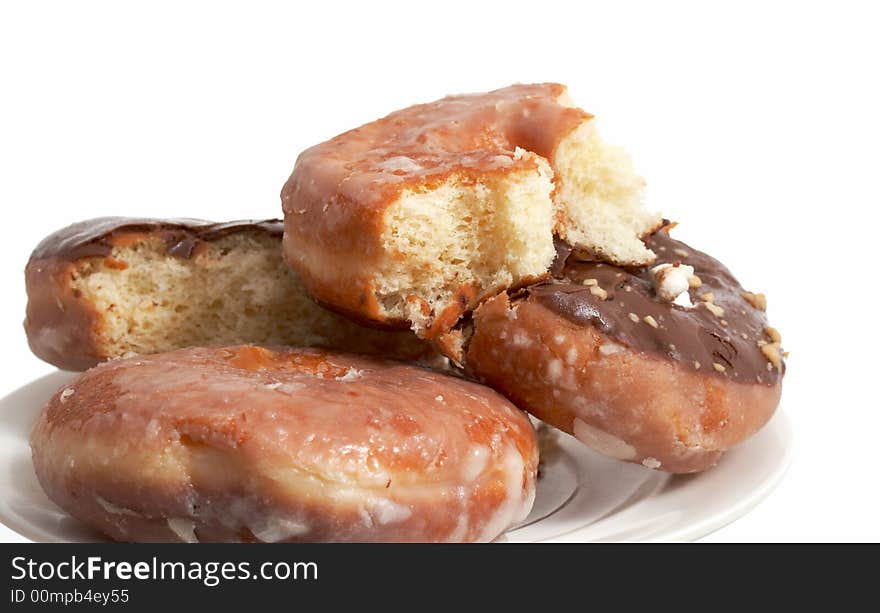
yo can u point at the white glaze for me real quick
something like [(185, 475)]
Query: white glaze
[(517, 503), (604, 443), (610, 348), (115, 509), (475, 463), (185, 529), (352, 374), (651, 463), (274, 529), (386, 511)]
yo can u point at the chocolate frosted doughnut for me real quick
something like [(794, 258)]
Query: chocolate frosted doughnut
[(116, 286), (668, 365), (182, 237), (254, 444)]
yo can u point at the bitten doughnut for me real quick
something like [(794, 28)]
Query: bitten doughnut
[(115, 286), (667, 365), (414, 219), (255, 444)]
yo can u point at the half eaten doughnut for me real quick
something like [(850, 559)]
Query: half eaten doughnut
[(414, 219)]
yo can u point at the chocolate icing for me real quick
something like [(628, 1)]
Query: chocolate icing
[(685, 335), (93, 237), (562, 252)]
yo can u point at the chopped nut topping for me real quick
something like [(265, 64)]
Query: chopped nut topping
[(771, 352), (694, 281), (598, 292), (590, 282), (634, 317), (707, 297), (718, 367), (684, 300), (716, 310), (759, 301), (671, 280), (724, 322), (697, 365), (650, 321)]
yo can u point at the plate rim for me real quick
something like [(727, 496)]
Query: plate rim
[(692, 531)]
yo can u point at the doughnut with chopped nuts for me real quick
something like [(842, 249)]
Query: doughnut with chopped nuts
[(250, 443), (653, 381)]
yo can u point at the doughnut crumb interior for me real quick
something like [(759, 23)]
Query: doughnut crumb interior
[(236, 288), (114, 287), (490, 234)]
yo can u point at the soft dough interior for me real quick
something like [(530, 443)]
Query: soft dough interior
[(599, 198), (498, 232), (485, 235), (236, 289)]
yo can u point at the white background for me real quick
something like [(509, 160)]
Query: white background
[(755, 125)]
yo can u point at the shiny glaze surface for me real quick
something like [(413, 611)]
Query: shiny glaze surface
[(94, 237), (341, 447), (694, 337)]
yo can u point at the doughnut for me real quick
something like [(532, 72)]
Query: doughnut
[(451, 202), (668, 365), (248, 443), (111, 287)]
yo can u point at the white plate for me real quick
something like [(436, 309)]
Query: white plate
[(582, 496)]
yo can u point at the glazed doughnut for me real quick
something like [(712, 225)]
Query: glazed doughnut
[(115, 286), (450, 202), (254, 444), (667, 365)]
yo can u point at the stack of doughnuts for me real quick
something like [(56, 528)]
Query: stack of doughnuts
[(363, 371)]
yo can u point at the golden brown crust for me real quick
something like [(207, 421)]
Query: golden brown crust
[(631, 405), (62, 328), (67, 329), (251, 443), (335, 199)]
